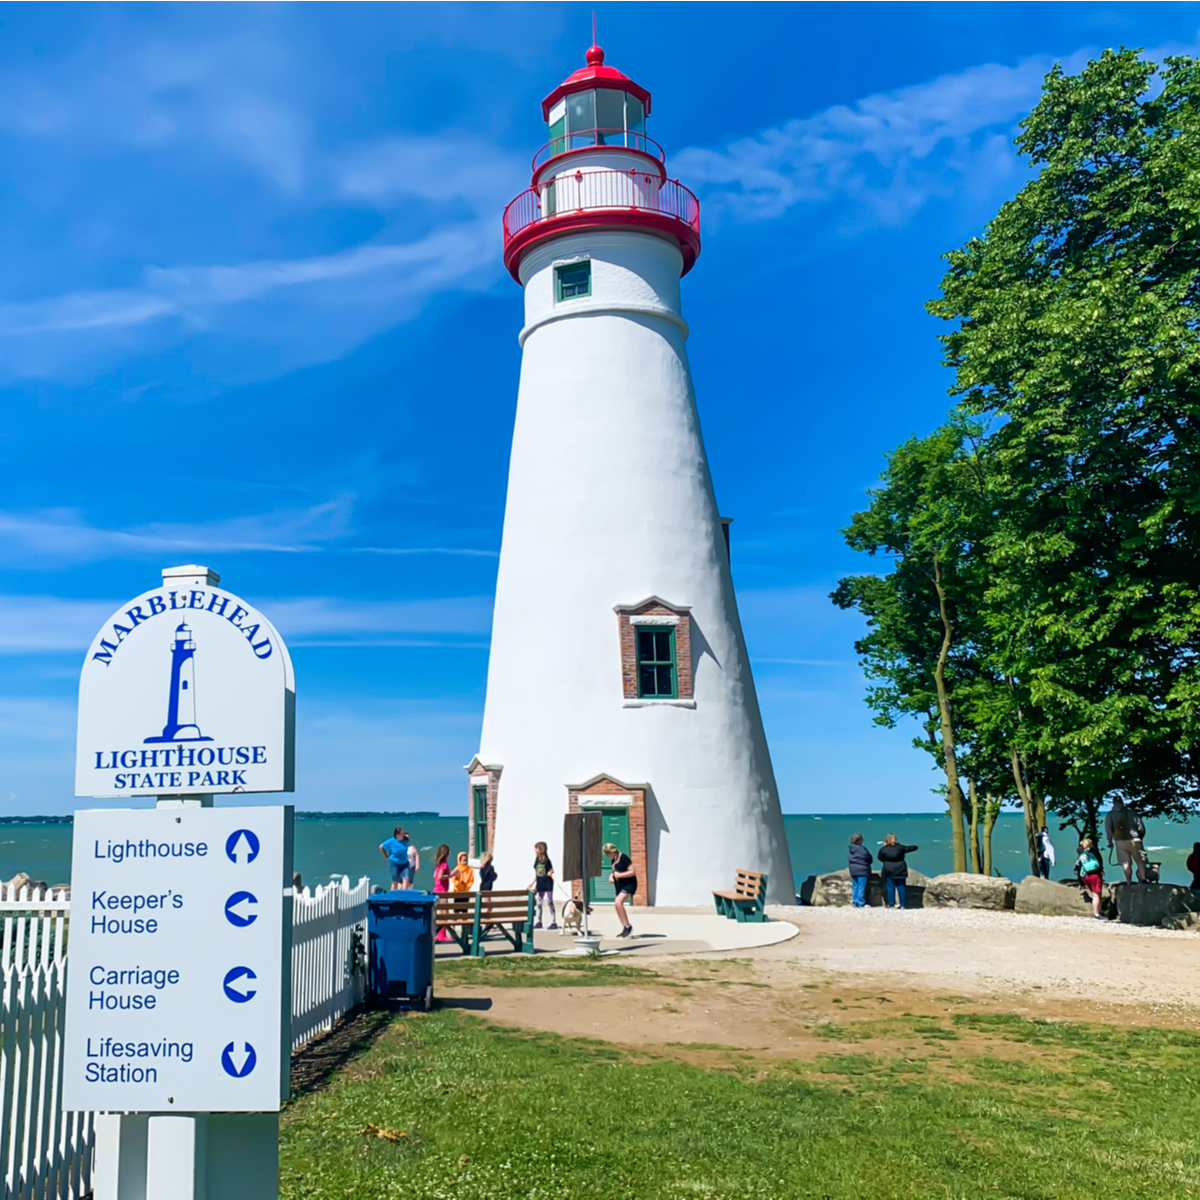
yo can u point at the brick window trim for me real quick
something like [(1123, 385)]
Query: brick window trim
[(657, 613), (475, 771), (578, 795)]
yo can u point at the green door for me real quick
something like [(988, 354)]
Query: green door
[(615, 825), (479, 798)]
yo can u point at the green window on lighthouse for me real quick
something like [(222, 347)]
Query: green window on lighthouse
[(656, 662), (575, 279)]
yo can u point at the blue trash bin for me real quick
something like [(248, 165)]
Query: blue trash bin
[(400, 935)]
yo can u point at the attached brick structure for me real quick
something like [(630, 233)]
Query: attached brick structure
[(578, 796), (476, 772), (676, 615)]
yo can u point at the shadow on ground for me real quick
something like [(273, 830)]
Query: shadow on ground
[(317, 1062)]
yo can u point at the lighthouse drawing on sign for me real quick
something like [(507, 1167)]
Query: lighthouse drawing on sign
[(181, 700), (618, 678)]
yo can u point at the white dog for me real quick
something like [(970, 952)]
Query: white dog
[(572, 916)]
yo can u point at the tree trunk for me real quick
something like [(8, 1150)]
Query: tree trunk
[(991, 811), (1029, 806), (954, 796), (973, 829)]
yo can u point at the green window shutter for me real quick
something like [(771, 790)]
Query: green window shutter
[(656, 667), (479, 800)]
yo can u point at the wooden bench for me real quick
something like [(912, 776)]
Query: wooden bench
[(747, 901), (509, 912), (456, 915)]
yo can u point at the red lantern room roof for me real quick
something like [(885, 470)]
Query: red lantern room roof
[(594, 75)]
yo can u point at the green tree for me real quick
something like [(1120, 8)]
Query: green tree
[(926, 516), (1076, 337)]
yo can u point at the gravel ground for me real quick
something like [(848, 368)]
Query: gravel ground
[(968, 950)]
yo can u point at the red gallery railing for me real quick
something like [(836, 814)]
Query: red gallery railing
[(601, 191)]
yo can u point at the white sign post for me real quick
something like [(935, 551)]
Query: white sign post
[(178, 1027)]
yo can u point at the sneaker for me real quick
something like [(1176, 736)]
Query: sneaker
[(626, 932), (551, 926), (537, 924), (1099, 917)]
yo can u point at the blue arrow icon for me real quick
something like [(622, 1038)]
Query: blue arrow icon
[(229, 1060), (235, 977), (243, 842), (234, 902)]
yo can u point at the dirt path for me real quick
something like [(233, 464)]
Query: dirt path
[(804, 997)]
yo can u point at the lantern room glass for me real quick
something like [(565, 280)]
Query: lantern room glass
[(598, 117)]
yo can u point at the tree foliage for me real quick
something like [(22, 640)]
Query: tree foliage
[(1064, 493)]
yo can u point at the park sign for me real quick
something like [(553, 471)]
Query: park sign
[(179, 997), (186, 690)]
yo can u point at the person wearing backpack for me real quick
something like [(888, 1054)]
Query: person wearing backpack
[(1126, 829), (1090, 870)]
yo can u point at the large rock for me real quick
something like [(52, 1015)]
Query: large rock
[(962, 890), (1189, 921), (835, 889), (21, 881), (1149, 903), (1050, 899)]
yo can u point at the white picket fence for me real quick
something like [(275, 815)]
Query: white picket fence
[(329, 940), (35, 927), (46, 1154)]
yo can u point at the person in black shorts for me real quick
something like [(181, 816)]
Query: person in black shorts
[(543, 884), (624, 879)]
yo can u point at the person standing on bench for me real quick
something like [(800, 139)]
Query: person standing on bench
[(543, 883), (395, 851), (624, 879), (487, 873)]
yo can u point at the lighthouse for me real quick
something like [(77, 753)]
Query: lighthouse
[(181, 694), (618, 678)]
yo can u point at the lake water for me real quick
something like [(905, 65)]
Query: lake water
[(336, 844)]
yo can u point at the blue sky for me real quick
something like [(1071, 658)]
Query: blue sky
[(253, 314)]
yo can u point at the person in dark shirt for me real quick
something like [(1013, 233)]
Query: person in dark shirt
[(860, 869), (1193, 864), (624, 879), (487, 873), (543, 884), (894, 870)]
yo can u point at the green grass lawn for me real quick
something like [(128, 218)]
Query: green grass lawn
[(1032, 1109)]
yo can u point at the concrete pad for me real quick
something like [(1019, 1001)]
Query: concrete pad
[(673, 931)]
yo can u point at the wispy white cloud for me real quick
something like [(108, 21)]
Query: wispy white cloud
[(55, 624), (55, 537), (365, 622), (456, 550), (447, 166), (194, 295), (883, 156)]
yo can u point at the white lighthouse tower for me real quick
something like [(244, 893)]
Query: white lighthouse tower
[(618, 677)]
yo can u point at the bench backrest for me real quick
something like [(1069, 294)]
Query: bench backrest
[(504, 906), (749, 884), (455, 908)]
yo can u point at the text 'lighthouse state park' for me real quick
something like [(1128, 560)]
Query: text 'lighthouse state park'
[(617, 968)]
